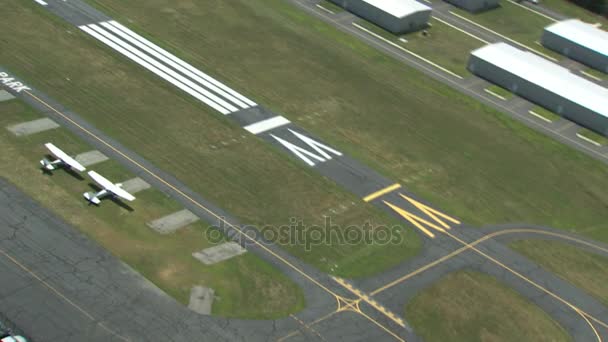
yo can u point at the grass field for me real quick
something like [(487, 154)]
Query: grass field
[(204, 149), (450, 149), (584, 269), (569, 9), (247, 286), (514, 22), (598, 138), (442, 45), (469, 306)]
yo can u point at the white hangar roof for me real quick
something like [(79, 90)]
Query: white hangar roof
[(582, 34), (399, 8), (546, 74)]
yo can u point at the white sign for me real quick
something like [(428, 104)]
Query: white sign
[(11, 83)]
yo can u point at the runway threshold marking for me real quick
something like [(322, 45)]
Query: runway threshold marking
[(209, 211), (60, 294), (503, 36), (381, 192)]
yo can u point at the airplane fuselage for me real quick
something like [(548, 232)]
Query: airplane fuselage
[(52, 165)]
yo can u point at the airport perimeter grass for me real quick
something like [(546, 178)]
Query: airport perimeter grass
[(514, 22), (469, 306), (247, 287), (202, 148), (442, 45), (570, 9), (582, 268), (468, 159)]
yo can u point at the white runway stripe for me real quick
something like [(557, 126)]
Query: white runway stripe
[(266, 125), (155, 70), (41, 2), (175, 65), (182, 63), (163, 68)]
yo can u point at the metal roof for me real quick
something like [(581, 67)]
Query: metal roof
[(546, 74), (582, 34), (399, 8)]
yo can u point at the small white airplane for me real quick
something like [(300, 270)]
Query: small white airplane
[(63, 160), (109, 189)]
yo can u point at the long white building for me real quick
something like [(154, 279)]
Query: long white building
[(543, 82), (579, 41), (396, 16)]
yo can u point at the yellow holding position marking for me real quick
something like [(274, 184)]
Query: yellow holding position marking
[(381, 192)]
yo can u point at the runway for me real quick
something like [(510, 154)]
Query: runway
[(334, 309)]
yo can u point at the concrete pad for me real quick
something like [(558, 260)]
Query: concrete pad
[(5, 96), (135, 185), (173, 222), (201, 300), (90, 158), (31, 127), (215, 254)]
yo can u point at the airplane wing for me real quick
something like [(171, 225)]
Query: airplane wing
[(64, 157), (106, 184)]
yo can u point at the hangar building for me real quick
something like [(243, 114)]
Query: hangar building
[(543, 82), (396, 16), (474, 5), (579, 41)]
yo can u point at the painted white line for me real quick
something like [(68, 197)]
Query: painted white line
[(461, 30), (503, 36), (165, 69), (539, 116), (267, 124), (533, 11), (176, 66), (591, 76), (494, 94), (41, 2), (407, 51), (182, 63), (325, 9), (155, 70), (588, 140)]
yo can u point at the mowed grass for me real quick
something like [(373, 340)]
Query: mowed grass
[(514, 22), (570, 9), (207, 151), (582, 268), (470, 306), (469, 160), (442, 45), (246, 286)]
